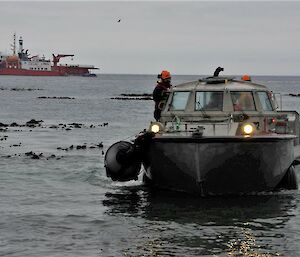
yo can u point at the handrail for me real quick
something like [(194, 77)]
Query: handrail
[(295, 124)]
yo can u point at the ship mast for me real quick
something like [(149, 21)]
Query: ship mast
[(20, 45), (13, 46)]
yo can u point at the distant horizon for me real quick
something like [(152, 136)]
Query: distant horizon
[(225, 75)]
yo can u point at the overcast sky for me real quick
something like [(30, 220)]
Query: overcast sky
[(259, 38)]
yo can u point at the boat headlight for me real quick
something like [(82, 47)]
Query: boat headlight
[(156, 127), (248, 128)]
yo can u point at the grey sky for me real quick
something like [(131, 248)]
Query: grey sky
[(184, 37)]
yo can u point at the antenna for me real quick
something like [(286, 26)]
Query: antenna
[(13, 46)]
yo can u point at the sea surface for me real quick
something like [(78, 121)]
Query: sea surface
[(55, 198)]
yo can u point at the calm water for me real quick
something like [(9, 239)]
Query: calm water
[(62, 204)]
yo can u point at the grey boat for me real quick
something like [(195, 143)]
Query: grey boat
[(216, 136)]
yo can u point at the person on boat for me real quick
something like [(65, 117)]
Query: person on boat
[(160, 92), (243, 101), (215, 102)]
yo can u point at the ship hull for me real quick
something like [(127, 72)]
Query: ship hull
[(72, 71), (218, 166), (23, 72)]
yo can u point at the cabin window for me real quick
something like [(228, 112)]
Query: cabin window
[(265, 101), (209, 101), (179, 101), (242, 101)]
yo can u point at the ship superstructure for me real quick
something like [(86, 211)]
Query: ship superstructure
[(21, 63)]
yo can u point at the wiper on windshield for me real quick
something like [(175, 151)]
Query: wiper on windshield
[(201, 109)]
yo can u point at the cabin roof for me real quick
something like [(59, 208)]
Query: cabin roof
[(219, 83)]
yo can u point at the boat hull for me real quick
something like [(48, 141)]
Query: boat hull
[(24, 72), (56, 71), (218, 166), (73, 70)]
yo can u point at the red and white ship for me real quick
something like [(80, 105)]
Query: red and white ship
[(24, 65)]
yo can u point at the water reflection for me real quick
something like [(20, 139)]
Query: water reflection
[(175, 224), (182, 208)]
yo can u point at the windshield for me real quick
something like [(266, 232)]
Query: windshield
[(265, 101), (179, 101), (209, 101), (242, 101)]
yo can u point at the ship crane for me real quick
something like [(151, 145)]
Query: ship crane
[(56, 58)]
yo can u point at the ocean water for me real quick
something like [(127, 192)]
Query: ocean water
[(55, 199)]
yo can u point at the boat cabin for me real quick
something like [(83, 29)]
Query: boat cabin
[(223, 106)]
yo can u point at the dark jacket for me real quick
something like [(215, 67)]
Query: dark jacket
[(160, 94)]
